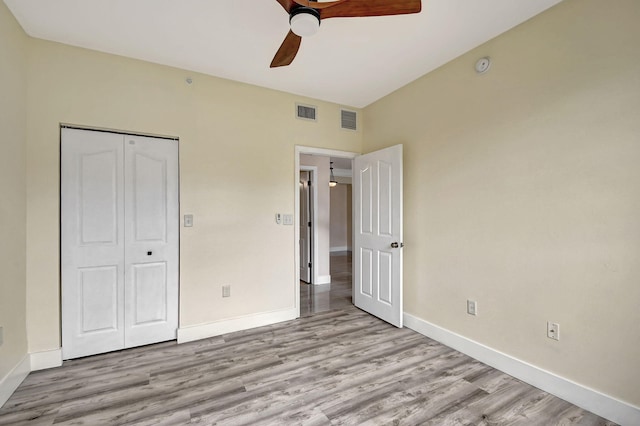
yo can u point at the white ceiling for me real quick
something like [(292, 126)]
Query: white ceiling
[(350, 61)]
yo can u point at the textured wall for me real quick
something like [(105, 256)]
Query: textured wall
[(522, 191), (13, 214), (237, 152)]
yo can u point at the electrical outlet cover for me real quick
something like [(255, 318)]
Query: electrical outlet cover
[(553, 330)]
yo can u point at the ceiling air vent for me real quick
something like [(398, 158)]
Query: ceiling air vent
[(348, 119), (306, 112)]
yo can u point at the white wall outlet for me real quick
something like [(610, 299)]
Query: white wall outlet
[(472, 307), (226, 290), (188, 220), (1, 335), (278, 218), (553, 330), (288, 219)]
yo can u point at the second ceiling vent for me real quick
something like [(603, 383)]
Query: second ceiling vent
[(348, 119)]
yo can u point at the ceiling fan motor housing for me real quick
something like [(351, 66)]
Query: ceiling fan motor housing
[(304, 21)]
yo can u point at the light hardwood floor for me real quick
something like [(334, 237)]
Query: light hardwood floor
[(335, 365)]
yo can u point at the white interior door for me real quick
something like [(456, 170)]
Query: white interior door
[(377, 253), (119, 221), (92, 238), (151, 240), (305, 226)]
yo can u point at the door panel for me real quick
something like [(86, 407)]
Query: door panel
[(385, 279), (151, 240), (99, 197), (385, 212), (150, 293), (92, 239), (365, 199), (98, 299), (305, 229), (149, 180), (378, 219), (366, 272)]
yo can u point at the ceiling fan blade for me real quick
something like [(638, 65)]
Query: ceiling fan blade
[(286, 4), (287, 51), (318, 5), (358, 8)]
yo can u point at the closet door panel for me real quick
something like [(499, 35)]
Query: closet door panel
[(151, 262), (92, 241)]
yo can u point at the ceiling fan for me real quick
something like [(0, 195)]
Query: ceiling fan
[(305, 17)]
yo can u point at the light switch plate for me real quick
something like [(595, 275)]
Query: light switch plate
[(288, 219), (188, 220), (472, 307)]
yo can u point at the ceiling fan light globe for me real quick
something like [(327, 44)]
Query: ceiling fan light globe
[(304, 24)]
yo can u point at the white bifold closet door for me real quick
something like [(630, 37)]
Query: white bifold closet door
[(119, 241)]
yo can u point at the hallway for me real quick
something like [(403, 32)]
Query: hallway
[(326, 297)]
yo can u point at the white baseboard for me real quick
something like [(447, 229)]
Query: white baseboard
[(340, 248), (10, 382), (46, 359), (577, 394), (202, 331), (323, 279)]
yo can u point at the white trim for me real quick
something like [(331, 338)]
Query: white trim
[(203, 331), (46, 359), (323, 279), (577, 394), (339, 248), (10, 382), (298, 149)]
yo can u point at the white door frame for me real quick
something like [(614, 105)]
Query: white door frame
[(299, 149), (313, 214)]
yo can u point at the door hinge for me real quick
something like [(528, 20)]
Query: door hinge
[(309, 183), (309, 224), (309, 264)]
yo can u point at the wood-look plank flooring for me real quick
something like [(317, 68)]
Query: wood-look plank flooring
[(338, 366)]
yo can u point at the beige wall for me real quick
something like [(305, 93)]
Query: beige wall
[(237, 146), (341, 229), (12, 192), (322, 220), (522, 191), (521, 186)]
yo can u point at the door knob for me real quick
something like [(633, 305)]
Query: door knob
[(149, 253), (396, 245)]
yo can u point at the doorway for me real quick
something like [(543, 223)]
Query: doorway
[(377, 229), (331, 259)]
